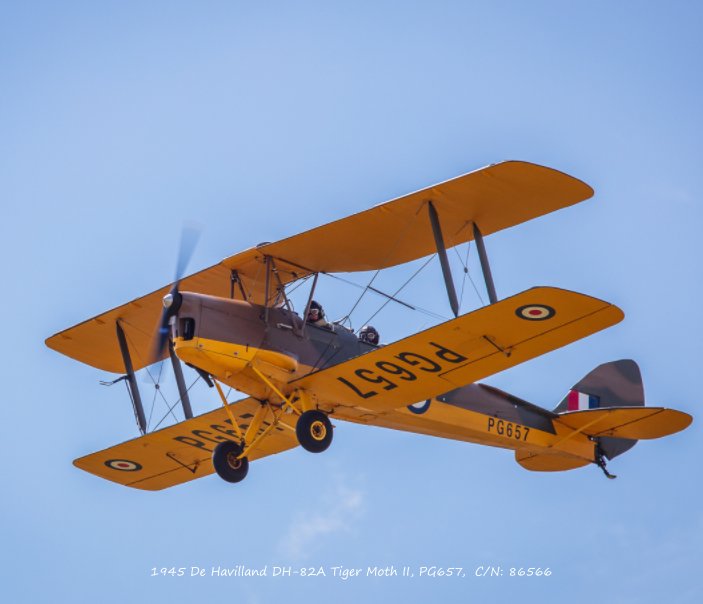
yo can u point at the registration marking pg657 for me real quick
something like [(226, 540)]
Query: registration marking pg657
[(386, 374), (508, 429)]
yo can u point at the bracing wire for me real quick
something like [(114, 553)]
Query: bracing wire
[(468, 274), (465, 265), (363, 293), (156, 390), (170, 408), (298, 284), (420, 309), (401, 235), (400, 288), (480, 297)]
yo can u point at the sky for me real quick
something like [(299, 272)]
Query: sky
[(122, 121)]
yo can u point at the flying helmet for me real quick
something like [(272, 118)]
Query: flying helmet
[(316, 312), (369, 335)]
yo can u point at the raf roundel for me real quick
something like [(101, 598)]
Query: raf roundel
[(421, 407), (535, 312), (124, 465)]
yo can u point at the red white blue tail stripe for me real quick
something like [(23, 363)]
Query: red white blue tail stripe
[(580, 401)]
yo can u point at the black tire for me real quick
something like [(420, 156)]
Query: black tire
[(227, 466), (314, 431)]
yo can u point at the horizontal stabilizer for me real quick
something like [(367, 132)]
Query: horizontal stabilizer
[(627, 422), (182, 452)]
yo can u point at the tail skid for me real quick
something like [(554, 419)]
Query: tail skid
[(601, 463)]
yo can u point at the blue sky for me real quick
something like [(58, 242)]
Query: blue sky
[(120, 121)]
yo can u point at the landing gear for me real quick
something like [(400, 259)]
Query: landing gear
[(314, 431), (228, 465)]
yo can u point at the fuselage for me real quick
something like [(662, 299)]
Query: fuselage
[(226, 337)]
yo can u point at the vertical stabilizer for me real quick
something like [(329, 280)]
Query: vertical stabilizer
[(614, 384)]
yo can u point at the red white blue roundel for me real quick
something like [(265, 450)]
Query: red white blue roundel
[(420, 408), (535, 312), (124, 465)]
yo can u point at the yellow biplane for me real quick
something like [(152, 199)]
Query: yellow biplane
[(235, 325)]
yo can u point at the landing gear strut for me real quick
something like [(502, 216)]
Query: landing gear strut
[(228, 465), (314, 431)]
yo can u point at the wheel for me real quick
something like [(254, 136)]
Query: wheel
[(226, 463), (314, 431)]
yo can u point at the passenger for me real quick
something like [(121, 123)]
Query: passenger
[(369, 335), (316, 316)]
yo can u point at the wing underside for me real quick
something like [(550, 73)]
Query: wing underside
[(182, 452), (495, 198), (461, 351)]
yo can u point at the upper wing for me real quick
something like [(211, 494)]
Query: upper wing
[(495, 197), (462, 351), (182, 452)]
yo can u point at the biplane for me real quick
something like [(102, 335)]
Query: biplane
[(234, 324)]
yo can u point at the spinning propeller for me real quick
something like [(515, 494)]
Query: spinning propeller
[(172, 300)]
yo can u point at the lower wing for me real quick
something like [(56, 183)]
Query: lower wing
[(182, 452)]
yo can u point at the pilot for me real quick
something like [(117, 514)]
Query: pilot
[(369, 335), (316, 316)]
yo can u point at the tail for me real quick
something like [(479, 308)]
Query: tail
[(607, 405), (614, 384)]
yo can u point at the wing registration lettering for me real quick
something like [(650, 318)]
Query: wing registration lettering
[(182, 452), (389, 374)]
